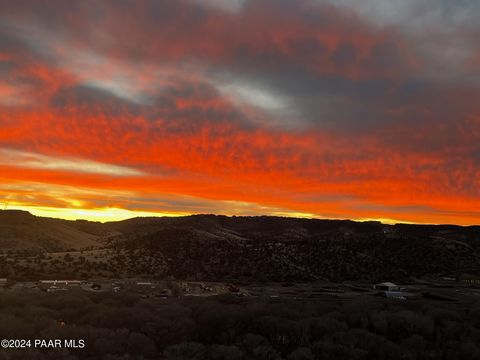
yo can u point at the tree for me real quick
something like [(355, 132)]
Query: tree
[(185, 351), (139, 344), (302, 353), (67, 257), (225, 352)]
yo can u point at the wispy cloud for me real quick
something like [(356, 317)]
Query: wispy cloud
[(17, 158)]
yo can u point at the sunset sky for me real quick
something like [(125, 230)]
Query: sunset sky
[(314, 108)]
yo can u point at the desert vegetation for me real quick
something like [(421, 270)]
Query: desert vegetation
[(217, 248), (127, 326)]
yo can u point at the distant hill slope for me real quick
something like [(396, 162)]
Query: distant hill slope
[(20, 230), (220, 247), (257, 248)]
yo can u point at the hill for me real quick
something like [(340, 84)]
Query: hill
[(211, 247), (20, 230), (274, 248)]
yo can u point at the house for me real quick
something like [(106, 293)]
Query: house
[(386, 286)]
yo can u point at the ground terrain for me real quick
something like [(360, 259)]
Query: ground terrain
[(219, 248)]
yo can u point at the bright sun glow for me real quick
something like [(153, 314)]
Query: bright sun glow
[(102, 214)]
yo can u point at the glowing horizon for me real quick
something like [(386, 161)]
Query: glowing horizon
[(116, 214), (310, 108)]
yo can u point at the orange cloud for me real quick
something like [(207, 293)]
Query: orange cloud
[(303, 172), (293, 108)]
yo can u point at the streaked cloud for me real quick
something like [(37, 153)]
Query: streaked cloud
[(17, 158), (254, 96)]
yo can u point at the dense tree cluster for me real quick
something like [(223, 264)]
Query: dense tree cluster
[(126, 326)]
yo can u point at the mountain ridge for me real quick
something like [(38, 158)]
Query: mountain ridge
[(218, 247)]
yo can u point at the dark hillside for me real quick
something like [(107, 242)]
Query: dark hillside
[(251, 248)]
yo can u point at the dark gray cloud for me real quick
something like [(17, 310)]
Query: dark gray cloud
[(312, 63), (84, 97)]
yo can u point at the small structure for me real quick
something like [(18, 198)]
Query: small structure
[(58, 285), (55, 288), (386, 286), (3, 282), (469, 279), (61, 282), (144, 287)]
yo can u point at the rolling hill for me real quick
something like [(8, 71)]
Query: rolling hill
[(253, 248), (20, 230)]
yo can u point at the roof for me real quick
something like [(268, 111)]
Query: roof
[(389, 284)]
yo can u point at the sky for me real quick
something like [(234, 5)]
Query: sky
[(311, 108)]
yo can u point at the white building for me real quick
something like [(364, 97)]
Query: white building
[(60, 282)]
